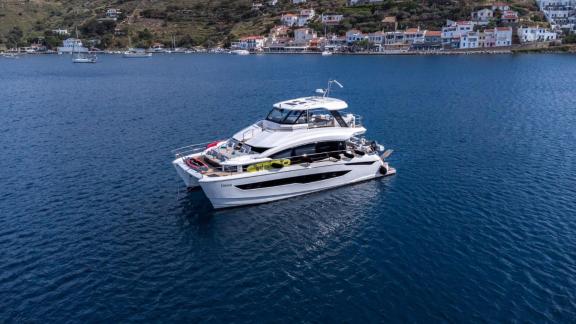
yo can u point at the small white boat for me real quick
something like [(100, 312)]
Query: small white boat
[(327, 53), (136, 53), (304, 145), (10, 55), (85, 59), (240, 52)]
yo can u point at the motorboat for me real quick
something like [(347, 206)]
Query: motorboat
[(85, 59), (136, 53), (304, 145), (327, 53), (10, 55), (240, 52)]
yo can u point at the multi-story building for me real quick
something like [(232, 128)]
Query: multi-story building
[(482, 16), (561, 14), (249, 43), (536, 34), (354, 35), (289, 19), (331, 19), (302, 36), (470, 40), (305, 16)]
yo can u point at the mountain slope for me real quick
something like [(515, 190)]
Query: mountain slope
[(212, 22)]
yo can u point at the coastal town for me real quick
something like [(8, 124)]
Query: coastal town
[(492, 28)]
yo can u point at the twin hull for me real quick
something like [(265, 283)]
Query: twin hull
[(264, 186)]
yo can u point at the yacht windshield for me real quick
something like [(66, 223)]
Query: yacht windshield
[(285, 116)]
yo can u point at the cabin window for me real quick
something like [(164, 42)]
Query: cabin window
[(304, 149), (292, 117), (293, 180), (259, 149), (277, 115), (312, 149), (282, 154)]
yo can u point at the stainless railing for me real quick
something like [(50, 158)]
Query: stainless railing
[(357, 121), (189, 149)]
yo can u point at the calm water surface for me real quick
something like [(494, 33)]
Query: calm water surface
[(479, 224)]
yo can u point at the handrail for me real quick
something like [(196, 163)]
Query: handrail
[(189, 149), (357, 121)]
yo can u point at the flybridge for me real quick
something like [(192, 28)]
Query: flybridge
[(309, 103)]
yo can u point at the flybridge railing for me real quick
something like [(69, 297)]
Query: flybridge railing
[(357, 121), (190, 149)]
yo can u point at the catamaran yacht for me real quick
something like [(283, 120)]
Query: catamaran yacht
[(304, 145)]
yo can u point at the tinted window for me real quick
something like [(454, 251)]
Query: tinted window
[(277, 115), (259, 149), (282, 154), (324, 147), (305, 149)]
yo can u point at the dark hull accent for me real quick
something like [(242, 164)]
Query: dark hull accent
[(299, 179), (362, 163)]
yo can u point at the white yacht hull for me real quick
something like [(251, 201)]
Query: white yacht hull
[(242, 189)]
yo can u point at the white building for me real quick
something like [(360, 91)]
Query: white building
[(377, 38), (61, 32), (536, 34), (559, 13), (482, 16), (305, 16), (470, 40), (454, 30), (72, 45), (414, 35), (354, 35), (289, 19), (303, 35), (249, 43), (331, 19), (503, 36), (112, 13)]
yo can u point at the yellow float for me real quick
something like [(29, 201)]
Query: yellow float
[(267, 165)]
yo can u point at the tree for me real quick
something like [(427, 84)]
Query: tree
[(569, 39), (14, 37), (363, 44)]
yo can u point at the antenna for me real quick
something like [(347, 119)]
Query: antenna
[(329, 88), (326, 92)]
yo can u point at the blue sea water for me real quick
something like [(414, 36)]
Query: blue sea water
[(479, 224)]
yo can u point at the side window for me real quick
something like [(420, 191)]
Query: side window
[(282, 154), (325, 147), (305, 149)]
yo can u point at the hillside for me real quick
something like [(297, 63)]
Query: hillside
[(213, 22)]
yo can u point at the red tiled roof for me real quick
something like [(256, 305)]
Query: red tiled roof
[(433, 33)]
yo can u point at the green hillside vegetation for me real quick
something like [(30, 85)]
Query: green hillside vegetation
[(212, 22)]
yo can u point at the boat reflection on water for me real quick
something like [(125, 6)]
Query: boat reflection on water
[(307, 223)]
